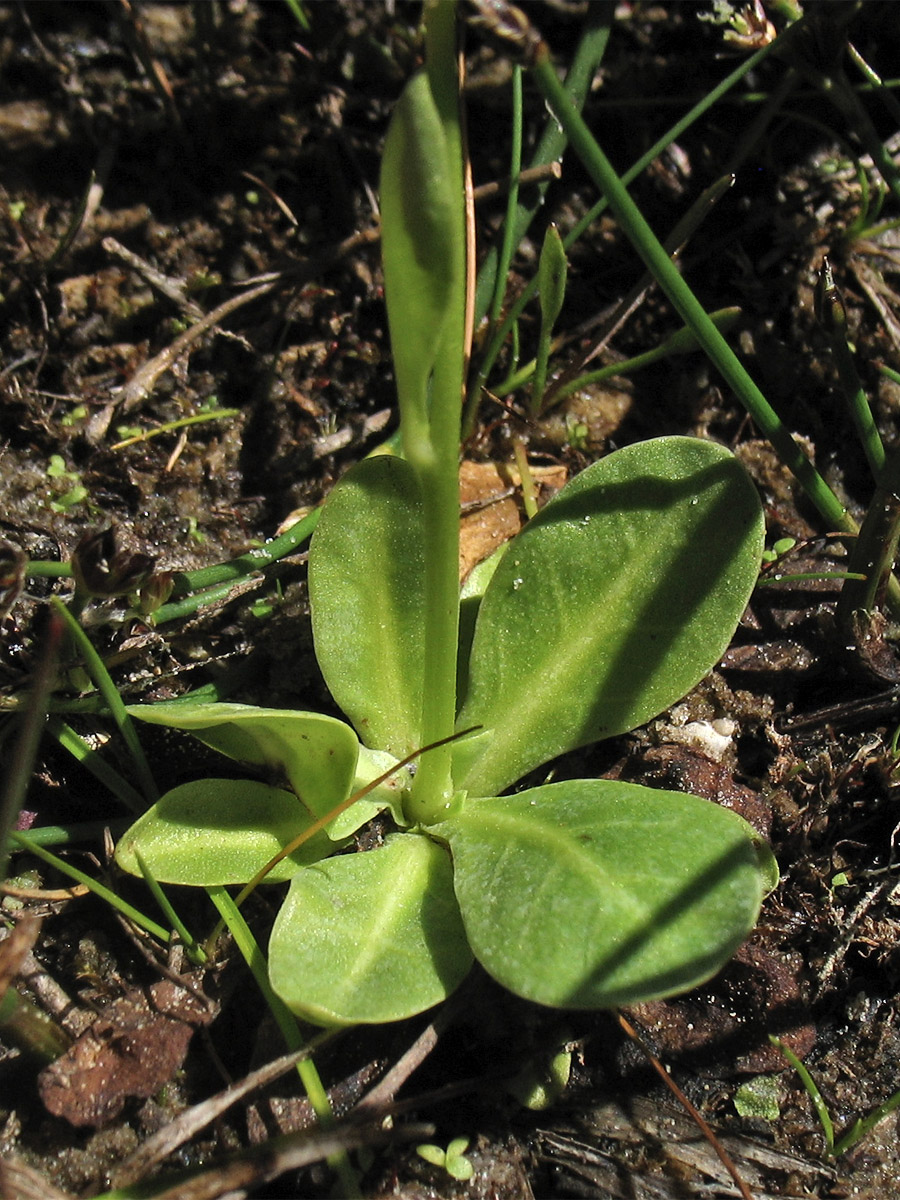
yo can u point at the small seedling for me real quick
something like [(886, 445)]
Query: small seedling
[(452, 1160), (610, 605), (75, 492), (778, 549), (542, 1082)]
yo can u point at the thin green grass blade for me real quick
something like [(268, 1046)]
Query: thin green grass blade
[(114, 701), (832, 317), (98, 767), (287, 1023), (585, 61), (194, 950), (501, 333), (67, 835), (812, 1091), (683, 299), (21, 761), (508, 244), (862, 1125), (104, 893)]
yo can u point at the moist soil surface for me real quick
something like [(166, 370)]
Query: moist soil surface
[(188, 229)]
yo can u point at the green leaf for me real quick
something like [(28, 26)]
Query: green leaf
[(366, 590), (552, 270), (470, 596), (432, 1154), (370, 937), (317, 754), (597, 893), (611, 604), (418, 228), (458, 1166), (220, 831), (759, 1098), (387, 795)]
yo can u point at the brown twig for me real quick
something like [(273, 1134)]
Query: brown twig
[(136, 390), (189, 1123), (171, 289), (704, 1127), (498, 187)]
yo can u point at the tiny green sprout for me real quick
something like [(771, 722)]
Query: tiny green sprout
[(576, 433), (759, 1098), (194, 532), (75, 493), (129, 432), (70, 499), (841, 879), (452, 1160), (778, 549), (57, 469), (266, 606), (17, 209), (541, 1083), (78, 413)]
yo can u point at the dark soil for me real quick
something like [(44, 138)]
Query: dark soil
[(220, 150)]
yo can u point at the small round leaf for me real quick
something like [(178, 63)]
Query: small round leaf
[(370, 937)]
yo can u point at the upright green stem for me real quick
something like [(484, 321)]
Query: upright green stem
[(876, 547), (832, 317), (437, 465), (508, 244)]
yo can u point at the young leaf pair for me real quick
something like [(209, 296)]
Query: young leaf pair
[(607, 607)]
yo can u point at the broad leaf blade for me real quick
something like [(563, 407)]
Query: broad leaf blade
[(596, 893), (220, 831), (316, 753), (611, 604), (370, 937), (366, 567)]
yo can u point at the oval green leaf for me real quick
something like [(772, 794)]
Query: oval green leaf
[(596, 893), (370, 937), (366, 592), (611, 604), (220, 831), (317, 754)]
